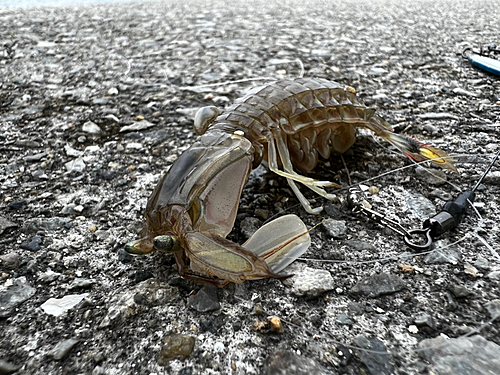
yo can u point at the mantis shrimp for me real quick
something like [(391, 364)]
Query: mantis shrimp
[(286, 123)]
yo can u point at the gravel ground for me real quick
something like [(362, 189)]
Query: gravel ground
[(97, 102)]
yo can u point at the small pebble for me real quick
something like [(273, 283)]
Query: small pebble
[(140, 276), (335, 228), (81, 283), (68, 209), (378, 284), (124, 257), (472, 271), (219, 347), (307, 281), (205, 300), (344, 319), (276, 325), (413, 329), (10, 260), (376, 360), (62, 349), (257, 309), (460, 356), (424, 320), (355, 308), (361, 245), (91, 128), (5, 225), (459, 291), (432, 176), (58, 306), (34, 244), (406, 268), (15, 294), (262, 214), (7, 367), (78, 209), (49, 276), (77, 165), (134, 146), (493, 308), (136, 126), (482, 263), (443, 253), (176, 347), (35, 157), (109, 174), (98, 370), (494, 275), (461, 91), (291, 362), (419, 204), (16, 205), (249, 226)]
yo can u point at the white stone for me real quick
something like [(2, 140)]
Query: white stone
[(46, 44), (76, 165), (91, 128), (49, 275), (92, 149), (140, 125), (413, 329), (70, 151), (134, 146), (308, 281), (58, 306), (219, 347)]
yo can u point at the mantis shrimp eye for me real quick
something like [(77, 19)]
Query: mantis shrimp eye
[(166, 244)]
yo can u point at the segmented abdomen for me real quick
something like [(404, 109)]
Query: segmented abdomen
[(316, 115)]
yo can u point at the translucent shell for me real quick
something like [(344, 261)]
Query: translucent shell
[(204, 117)]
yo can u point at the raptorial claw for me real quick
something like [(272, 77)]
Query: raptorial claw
[(192, 210), (271, 248), (213, 255), (280, 242)]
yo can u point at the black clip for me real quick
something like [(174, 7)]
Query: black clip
[(424, 232)]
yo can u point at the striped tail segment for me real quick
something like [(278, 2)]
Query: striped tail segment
[(412, 148), (419, 151)]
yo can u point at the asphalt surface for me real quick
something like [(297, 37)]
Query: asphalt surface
[(97, 102)]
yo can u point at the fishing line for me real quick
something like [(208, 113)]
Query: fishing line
[(394, 257)]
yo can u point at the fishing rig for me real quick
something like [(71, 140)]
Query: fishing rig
[(421, 239)]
